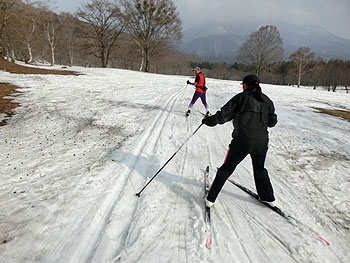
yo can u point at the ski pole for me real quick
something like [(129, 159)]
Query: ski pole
[(138, 194), (185, 89)]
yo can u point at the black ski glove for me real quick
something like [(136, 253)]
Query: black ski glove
[(209, 121), (188, 82)]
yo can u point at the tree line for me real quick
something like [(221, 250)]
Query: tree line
[(143, 35), (127, 33), (331, 75), (262, 54)]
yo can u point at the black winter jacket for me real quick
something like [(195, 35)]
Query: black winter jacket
[(252, 112)]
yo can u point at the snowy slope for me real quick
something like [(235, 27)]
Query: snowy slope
[(80, 147)]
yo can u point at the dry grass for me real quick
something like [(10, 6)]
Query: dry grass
[(7, 105), (18, 69), (337, 113)]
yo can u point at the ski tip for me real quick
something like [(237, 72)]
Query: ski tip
[(323, 241), (208, 243)]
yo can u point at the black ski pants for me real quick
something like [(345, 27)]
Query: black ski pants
[(261, 176)]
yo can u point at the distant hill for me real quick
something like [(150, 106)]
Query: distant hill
[(219, 42)]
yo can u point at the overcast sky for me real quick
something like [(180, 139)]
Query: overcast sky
[(333, 15)]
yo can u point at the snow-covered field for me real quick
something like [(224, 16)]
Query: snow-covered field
[(79, 148)]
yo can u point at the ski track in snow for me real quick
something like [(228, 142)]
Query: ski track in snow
[(80, 147)]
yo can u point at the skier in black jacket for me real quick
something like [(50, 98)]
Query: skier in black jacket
[(252, 113)]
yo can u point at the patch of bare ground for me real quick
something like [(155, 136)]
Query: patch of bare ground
[(337, 113), (7, 105), (18, 69)]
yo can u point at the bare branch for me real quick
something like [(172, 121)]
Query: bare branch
[(103, 24), (263, 47), (154, 25)]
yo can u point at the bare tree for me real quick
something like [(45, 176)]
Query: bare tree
[(70, 40), (103, 24), (346, 77), (318, 74), (219, 70), (302, 58), (262, 48), (31, 25), (52, 34), (154, 25), (334, 73), (128, 58), (5, 13), (49, 26), (10, 44), (26, 29)]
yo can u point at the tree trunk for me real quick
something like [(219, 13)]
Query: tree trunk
[(299, 74), (258, 72), (70, 55), (299, 79), (52, 56), (2, 34), (13, 57), (29, 48), (142, 61), (103, 58), (71, 60), (103, 65), (10, 51), (148, 61)]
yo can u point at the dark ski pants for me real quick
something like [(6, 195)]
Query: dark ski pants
[(195, 97), (261, 176)]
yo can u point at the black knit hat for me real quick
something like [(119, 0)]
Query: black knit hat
[(251, 80)]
